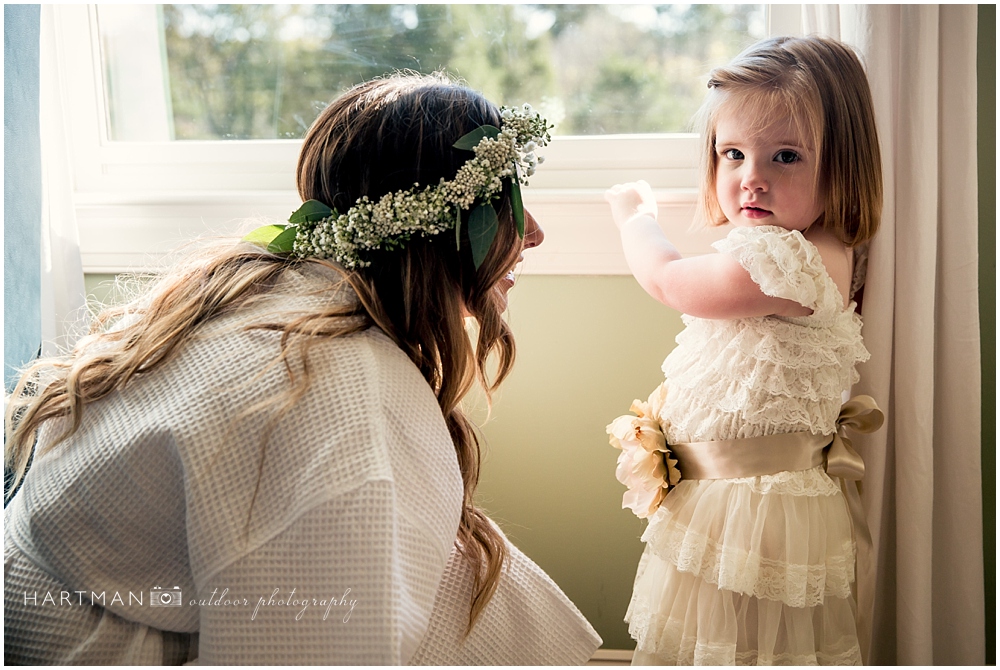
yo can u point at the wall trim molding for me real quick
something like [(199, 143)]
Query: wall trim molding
[(611, 657), (133, 231)]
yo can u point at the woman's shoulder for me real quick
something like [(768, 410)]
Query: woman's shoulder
[(358, 378), (366, 416)]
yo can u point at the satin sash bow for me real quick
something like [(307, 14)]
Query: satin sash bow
[(862, 415), (756, 456)]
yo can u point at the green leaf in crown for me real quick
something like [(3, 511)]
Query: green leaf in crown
[(278, 238), (483, 224), (284, 242), (469, 141), (264, 235), (310, 212)]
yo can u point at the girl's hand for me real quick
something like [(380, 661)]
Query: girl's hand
[(630, 200)]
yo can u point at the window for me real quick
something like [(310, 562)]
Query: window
[(246, 72), (159, 92)]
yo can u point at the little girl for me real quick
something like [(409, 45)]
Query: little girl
[(750, 558)]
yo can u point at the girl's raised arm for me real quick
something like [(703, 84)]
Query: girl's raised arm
[(711, 286)]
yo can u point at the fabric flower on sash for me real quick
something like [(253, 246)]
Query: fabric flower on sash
[(645, 465)]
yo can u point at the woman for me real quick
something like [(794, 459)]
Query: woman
[(264, 460)]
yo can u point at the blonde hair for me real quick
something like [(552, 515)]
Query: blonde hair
[(821, 84), (380, 136)]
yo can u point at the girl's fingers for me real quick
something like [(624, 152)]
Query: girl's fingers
[(619, 189), (615, 190)]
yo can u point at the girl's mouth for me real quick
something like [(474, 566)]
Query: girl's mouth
[(755, 212)]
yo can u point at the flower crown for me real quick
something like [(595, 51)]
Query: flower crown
[(317, 231)]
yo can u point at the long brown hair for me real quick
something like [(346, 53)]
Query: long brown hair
[(381, 136), (821, 85), (386, 135)]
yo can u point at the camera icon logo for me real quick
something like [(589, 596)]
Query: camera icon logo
[(159, 597)]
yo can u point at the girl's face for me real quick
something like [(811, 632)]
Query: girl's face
[(765, 175)]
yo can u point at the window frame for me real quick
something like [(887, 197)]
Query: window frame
[(135, 201)]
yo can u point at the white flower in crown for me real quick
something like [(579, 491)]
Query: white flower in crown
[(498, 154)]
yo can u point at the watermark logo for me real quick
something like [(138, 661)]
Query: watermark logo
[(65, 598), (345, 604), (159, 597), (297, 605)]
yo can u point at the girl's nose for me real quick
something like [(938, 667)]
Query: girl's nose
[(533, 233), (753, 178)]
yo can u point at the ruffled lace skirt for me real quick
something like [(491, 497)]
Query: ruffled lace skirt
[(753, 571)]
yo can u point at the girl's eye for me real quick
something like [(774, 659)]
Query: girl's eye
[(733, 154), (786, 157)]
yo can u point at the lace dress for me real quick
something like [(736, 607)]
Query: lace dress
[(755, 570)]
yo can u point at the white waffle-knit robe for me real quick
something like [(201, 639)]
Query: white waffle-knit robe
[(355, 505)]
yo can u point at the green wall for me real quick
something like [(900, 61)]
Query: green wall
[(99, 288), (587, 346)]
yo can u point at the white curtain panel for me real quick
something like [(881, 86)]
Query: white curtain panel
[(63, 308), (921, 324)]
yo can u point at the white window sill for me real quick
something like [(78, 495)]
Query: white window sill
[(137, 230)]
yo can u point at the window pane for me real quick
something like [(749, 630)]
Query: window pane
[(200, 72)]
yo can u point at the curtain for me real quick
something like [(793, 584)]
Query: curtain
[(921, 324), (63, 297), (21, 189)]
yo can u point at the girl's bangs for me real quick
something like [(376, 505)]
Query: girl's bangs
[(762, 106)]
